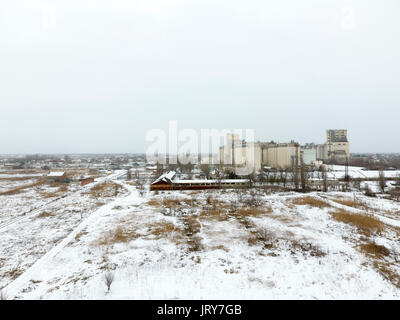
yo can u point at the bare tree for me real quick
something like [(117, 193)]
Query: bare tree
[(252, 179), (382, 180), (324, 178), (206, 170), (140, 186), (303, 175), (295, 173), (218, 176), (283, 177), (186, 167), (159, 170), (309, 176), (295, 169), (357, 184), (254, 200), (239, 194), (272, 179), (261, 178), (109, 279), (267, 174), (128, 174)]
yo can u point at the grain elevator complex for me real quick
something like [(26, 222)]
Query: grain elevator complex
[(237, 152)]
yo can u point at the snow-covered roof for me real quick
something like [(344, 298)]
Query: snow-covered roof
[(56, 174), (166, 177)]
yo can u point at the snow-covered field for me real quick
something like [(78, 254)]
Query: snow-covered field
[(227, 244)]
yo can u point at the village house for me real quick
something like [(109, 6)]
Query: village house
[(57, 176)]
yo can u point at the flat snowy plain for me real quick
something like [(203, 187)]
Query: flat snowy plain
[(227, 244)]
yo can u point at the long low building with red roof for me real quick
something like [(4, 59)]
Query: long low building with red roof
[(167, 182)]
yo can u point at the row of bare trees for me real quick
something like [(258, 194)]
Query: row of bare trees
[(299, 176)]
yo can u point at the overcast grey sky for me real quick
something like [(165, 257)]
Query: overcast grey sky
[(95, 76)]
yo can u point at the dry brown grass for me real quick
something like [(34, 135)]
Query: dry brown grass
[(385, 270), (119, 235), (47, 195), (21, 188), (45, 214), (374, 250), (350, 203), (15, 272), (220, 247), (79, 235), (378, 253), (224, 205), (189, 202), (62, 189), (191, 223), (162, 229), (311, 201), (192, 227), (305, 248), (14, 179), (365, 223), (131, 183), (255, 211), (171, 203), (55, 184), (270, 241), (21, 171), (264, 236), (154, 203), (214, 213), (195, 243), (105, 189)]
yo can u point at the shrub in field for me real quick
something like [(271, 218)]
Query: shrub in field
[(375, 250), (2, 295), (108, 280)]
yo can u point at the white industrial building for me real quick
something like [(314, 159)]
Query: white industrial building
[(336, 148), (237, 152)]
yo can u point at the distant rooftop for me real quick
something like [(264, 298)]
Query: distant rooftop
[(56, 174)]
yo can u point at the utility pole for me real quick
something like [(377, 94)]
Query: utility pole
[(296, 168)]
